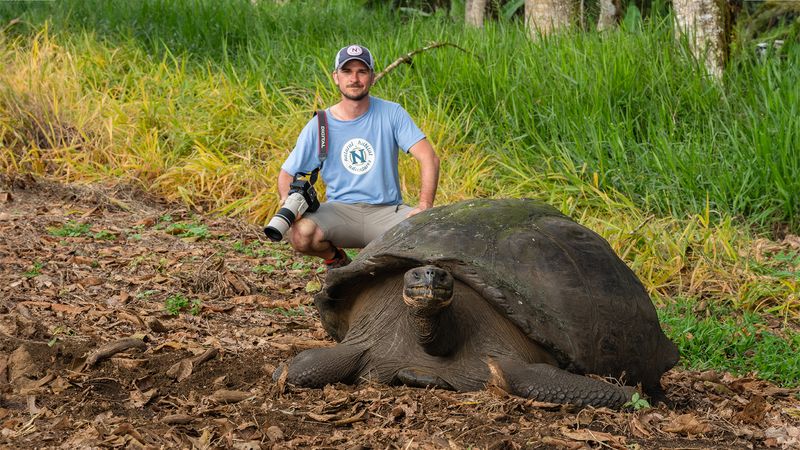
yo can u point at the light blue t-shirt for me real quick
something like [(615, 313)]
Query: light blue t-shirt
[(362, 154)]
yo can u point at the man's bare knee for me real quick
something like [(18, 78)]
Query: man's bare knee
[(305, 235)]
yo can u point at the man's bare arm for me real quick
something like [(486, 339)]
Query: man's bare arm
[(284, 180), (423, 152)]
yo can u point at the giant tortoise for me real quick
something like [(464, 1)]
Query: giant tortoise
[(509, 292)]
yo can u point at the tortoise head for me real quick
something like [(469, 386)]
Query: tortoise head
[(427, 287)]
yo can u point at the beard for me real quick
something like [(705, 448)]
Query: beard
[(355, 97)]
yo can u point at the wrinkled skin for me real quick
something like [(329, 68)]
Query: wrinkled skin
[(530, 307)]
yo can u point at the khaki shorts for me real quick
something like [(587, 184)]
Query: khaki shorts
[(356, 225)]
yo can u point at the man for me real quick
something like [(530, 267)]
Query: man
[(360, 172)]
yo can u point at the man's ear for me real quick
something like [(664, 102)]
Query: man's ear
[(335, 77)]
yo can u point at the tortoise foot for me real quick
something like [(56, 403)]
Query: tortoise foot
[(546, 383), (418, 378), (320, 366)]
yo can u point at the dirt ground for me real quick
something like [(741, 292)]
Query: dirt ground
[(129, 322)]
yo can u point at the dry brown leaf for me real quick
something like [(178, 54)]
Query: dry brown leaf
[(90, 281), (178, 419), (112, 348), (784, 436), (284, 374), (249, 300), (361, 415), (561, 443), (321, 417), (60, 385), (274, 433), (754, 411), (639, 429), (3, 368), (81, 261), (587, 435), (181, 370), (224, 396), (139, 398), (792, 241), (20, 364), (687, 424), (5, 197)]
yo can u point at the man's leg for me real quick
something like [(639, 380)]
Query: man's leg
[(307, 238), (324, 232)]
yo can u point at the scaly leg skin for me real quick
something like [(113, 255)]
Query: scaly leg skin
[(546, 383), (320, 366)]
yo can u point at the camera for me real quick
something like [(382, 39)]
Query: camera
[(302, 197)]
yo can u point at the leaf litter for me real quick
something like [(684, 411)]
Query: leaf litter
[(91, 358)]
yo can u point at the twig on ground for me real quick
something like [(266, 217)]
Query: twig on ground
[(112, 348)]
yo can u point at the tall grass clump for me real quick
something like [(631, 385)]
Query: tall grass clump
[(201, 101)]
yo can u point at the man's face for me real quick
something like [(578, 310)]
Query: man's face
[(354, 79)]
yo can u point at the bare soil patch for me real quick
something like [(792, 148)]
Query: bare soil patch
[(90, 356)]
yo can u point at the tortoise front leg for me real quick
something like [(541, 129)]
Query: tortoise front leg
[(546, 383), (320, 366)]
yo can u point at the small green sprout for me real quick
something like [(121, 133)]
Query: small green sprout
[(637, 402), (35, 270)]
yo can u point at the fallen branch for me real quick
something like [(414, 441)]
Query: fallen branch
[(112, 348), (407, 57)]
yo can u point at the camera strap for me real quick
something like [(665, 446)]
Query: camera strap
[(322, 143)]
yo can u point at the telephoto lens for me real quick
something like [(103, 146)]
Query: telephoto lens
[(294, 206)]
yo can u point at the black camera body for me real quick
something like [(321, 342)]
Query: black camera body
[(302, 198), (306, 189)]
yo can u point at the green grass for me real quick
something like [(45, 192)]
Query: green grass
[(188, 230), (225, 85), (70, 229), (725, 339)]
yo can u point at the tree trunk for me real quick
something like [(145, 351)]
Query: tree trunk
[(703, 24), (475, 12), (609, 15), (546, 16)]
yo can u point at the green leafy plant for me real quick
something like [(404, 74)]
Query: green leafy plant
[(195, 307), (105, 235), (636, 402), (188, 230), (58, 332), (288, 312), (35, 270), (177, 303), (70, 229), (264, 268), (254, 249), (144, 295)]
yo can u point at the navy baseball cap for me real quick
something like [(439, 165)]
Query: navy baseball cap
[(352, 52)]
